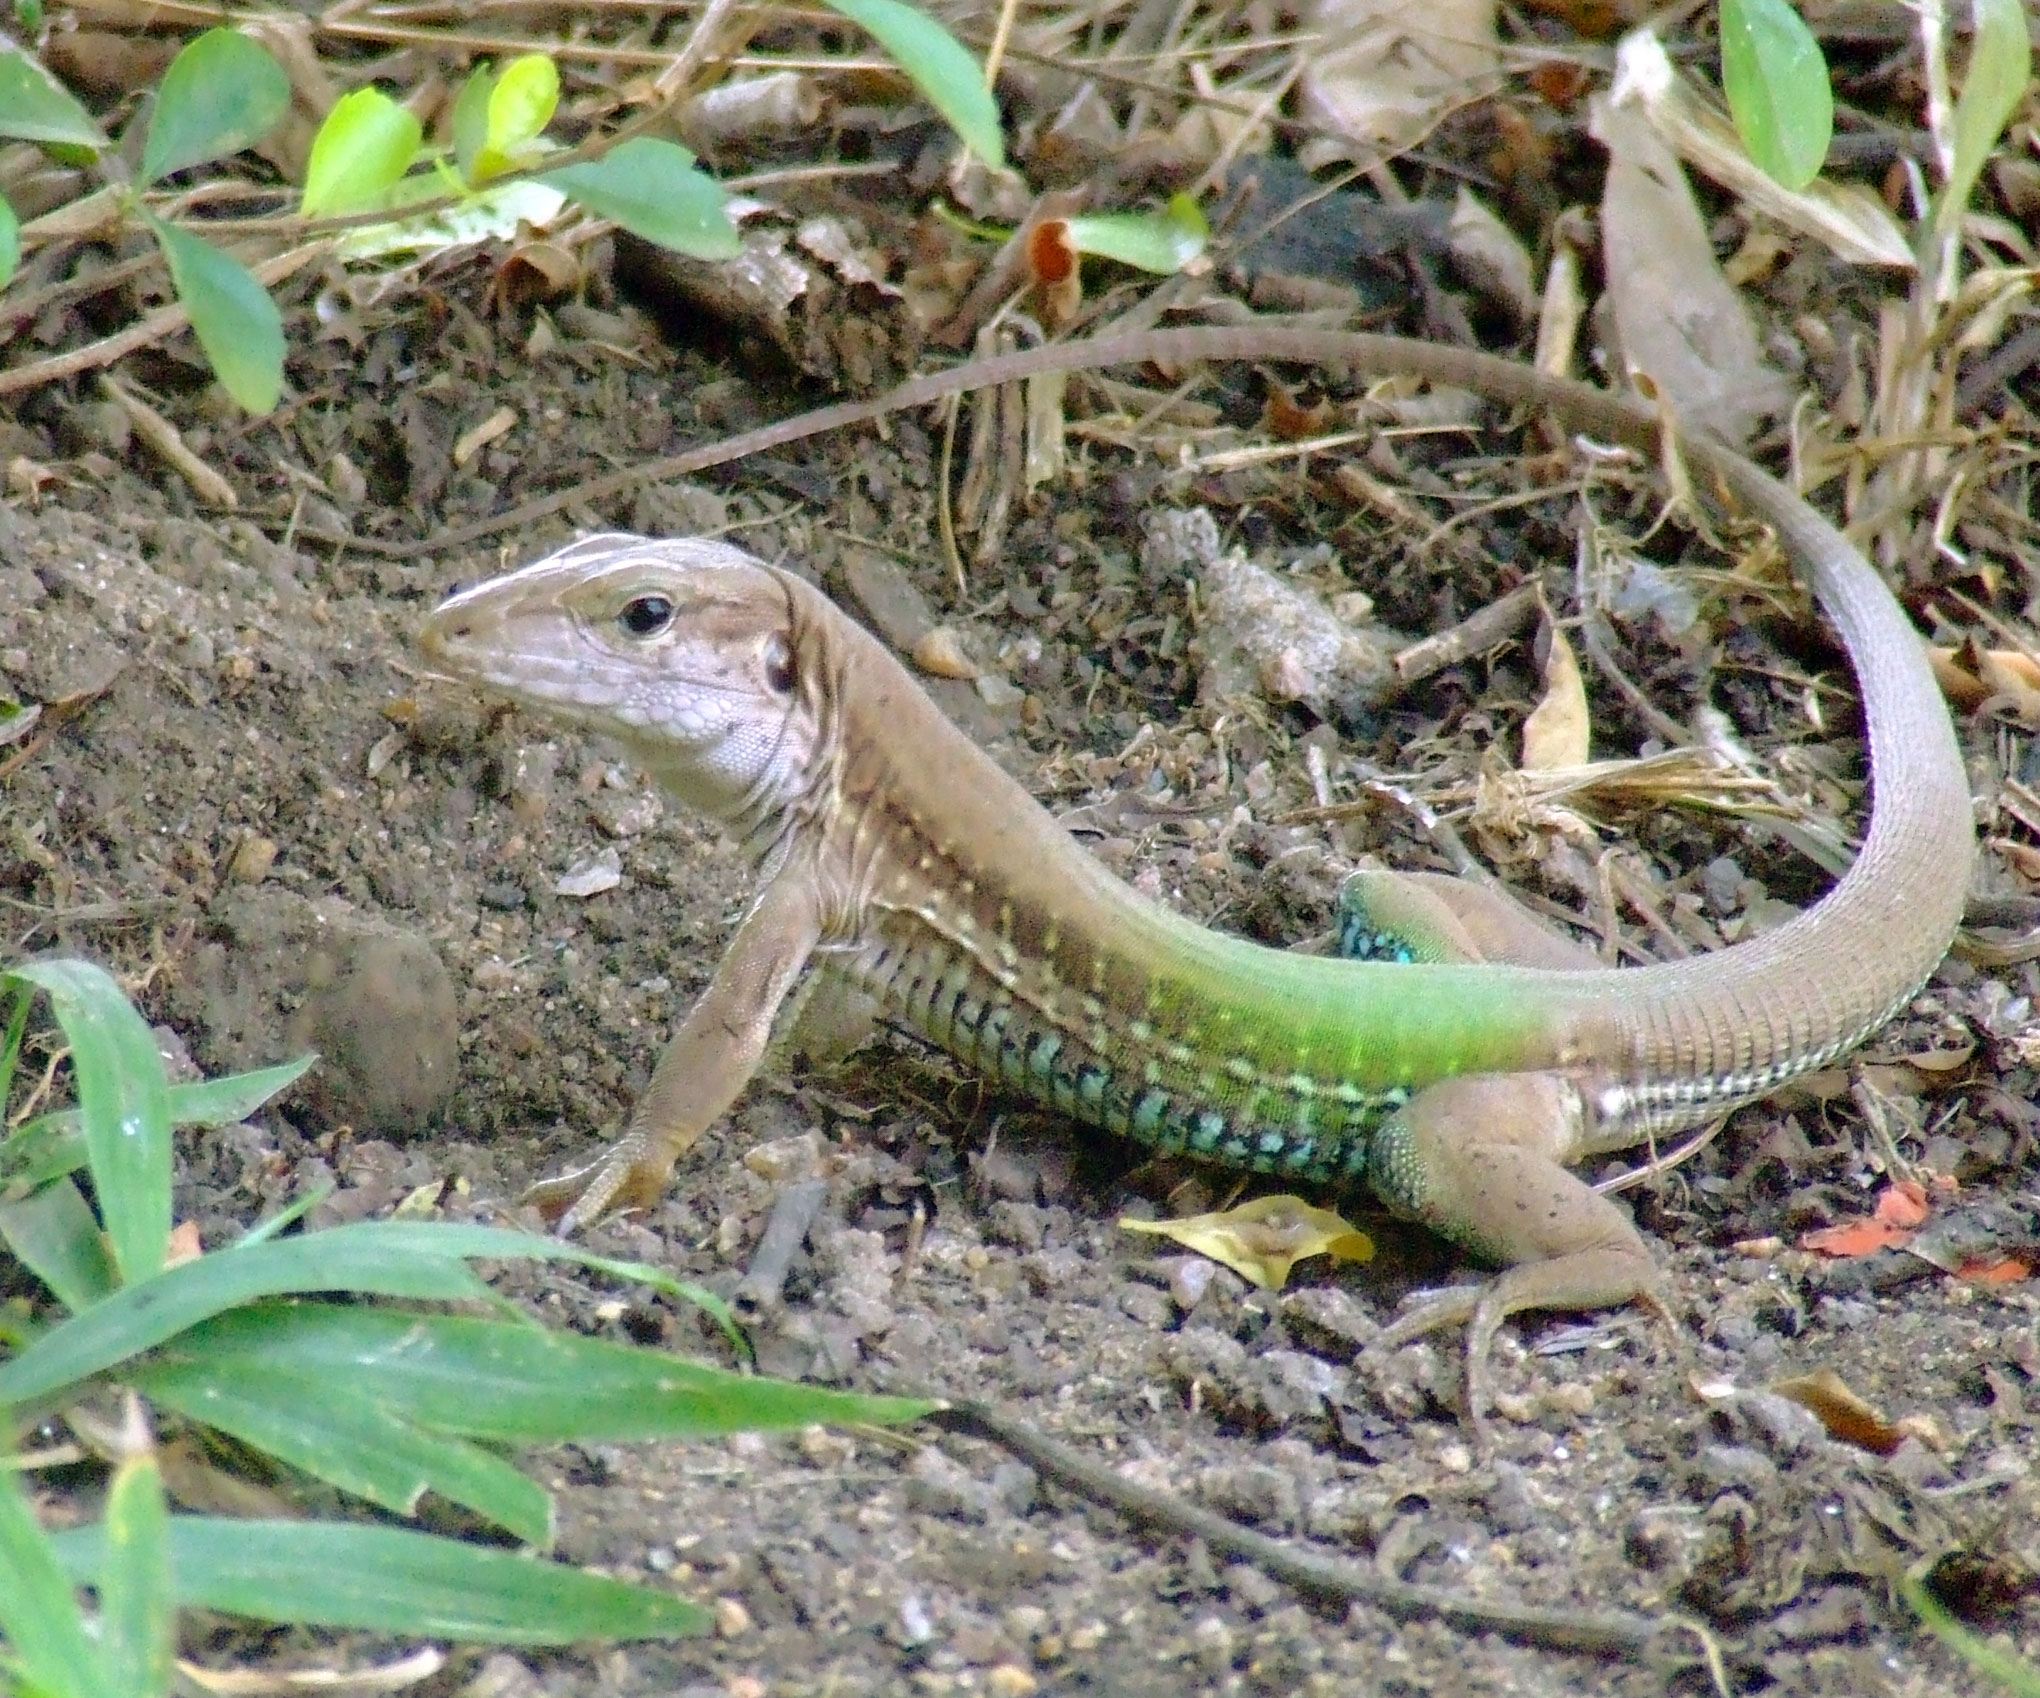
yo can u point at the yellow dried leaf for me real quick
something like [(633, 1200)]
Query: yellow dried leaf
[(1557, 732), (1264, 1239)]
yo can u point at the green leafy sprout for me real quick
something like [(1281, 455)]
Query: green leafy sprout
[(224, 93), (389, 1403), (1776, 81)]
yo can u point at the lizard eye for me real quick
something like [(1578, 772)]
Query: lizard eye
[(778, 665), (646, 615)]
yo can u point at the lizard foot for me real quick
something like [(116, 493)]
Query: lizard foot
[(617, 1182), (1590, 1279)]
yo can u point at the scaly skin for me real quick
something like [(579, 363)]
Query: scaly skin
[(897, 859)]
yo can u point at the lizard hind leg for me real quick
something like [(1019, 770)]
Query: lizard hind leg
[(1480, 1160)]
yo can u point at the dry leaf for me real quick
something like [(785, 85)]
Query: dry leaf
[(1557, 733), (2023, 858), (1264, 1239), (1971, 675), (1845, 1415), (472, 441), (1492, 256), (1951, 1059), (407, 1671), (1853, 223), (1679, 323), (777, 103), (1386, 72), (1053, 269)]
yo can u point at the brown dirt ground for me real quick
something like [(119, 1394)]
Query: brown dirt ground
[(277, 829)]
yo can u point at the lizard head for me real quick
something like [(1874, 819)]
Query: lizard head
[(685, 651)]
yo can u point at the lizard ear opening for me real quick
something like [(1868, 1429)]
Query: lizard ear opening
[(778, 665)]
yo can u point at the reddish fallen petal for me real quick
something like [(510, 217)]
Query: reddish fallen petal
[(2005, 1270), (1857, 1238), (1903, 1203)]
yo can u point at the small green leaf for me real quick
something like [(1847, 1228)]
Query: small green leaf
[(1777, 86), (471, 119), (39, 1614), (10, 242), (2000, 66), (34, 107), (526, 93), (137, 1602), (53, 1234), (222, 93), (940, 66), (365, 145), (389, 1580), (1162, 242), (232, 316), (652, 189), (125, 1104)]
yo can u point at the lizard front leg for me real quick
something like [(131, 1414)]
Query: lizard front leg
[(1411, 917), (705, 1066)]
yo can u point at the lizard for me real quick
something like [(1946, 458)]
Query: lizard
[(1459, 1075)]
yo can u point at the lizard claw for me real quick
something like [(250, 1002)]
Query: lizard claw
[(1471, 1306), (557, 1199), (621, 1181)]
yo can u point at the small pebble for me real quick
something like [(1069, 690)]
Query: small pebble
[(1189, 1280), (253, 857)]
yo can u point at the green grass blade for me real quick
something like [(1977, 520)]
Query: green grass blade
[(341, 1431), (232, 316), (1994, 82), (35, 107), (54, 1143), (125, 1104), (389, 1580), (53, 1234), (513, 1382), (653, 190), (1993, 1662), (940, 66), (21, 995), (1776, 80), (140, 1317), (503, 1244), (39, 1614), (221, 94), (10, 253), (137, 1606)]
